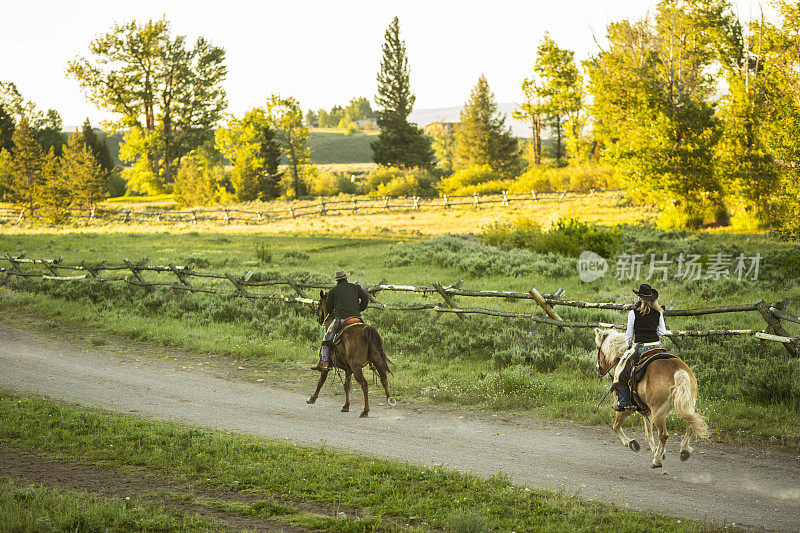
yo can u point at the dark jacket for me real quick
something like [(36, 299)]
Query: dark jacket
[(346, 299)]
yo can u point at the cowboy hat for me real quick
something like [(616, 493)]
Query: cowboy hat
[(646, 292), (340, 275)]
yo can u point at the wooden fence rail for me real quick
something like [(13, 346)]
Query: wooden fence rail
[(21, 266), (293, 210)]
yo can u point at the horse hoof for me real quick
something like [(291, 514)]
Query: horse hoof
[(391, 401), (684, 455), (345, 408), (363, 414), (311, 400), (634, 445), (655, 465)]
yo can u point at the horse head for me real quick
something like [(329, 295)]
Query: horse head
[(610, 347), (322, 312)]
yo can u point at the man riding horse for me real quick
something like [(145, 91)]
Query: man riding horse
[(345, 300)]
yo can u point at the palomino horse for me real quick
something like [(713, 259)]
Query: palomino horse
[(360, 344), (667, 384)]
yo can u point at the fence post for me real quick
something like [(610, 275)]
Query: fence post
[(226, 219), (386, 202), (563, 195), (21, 215), (194, 217), (591, 193), (475, 195), (158, 217), (91, 215), (260, 217), (449, 301), (533, 193), (416, 202), (446, 202), (774, 327), (355, 205), (322, 212), (505, 198)]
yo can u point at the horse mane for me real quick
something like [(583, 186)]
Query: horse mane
[(614, 343)]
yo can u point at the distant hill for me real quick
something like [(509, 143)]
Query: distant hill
[(423, 117)]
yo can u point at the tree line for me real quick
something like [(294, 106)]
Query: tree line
[(692, 108)]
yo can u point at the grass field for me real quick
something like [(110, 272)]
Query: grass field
[(278, 479), (750, 392), (330, 145)]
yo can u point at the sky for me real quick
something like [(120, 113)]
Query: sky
[(322, 52)]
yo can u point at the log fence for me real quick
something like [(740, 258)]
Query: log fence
[(54, 270), (294, 210)]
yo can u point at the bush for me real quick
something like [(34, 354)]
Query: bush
[(568, 237), (395, 181), (413, 182), (326, 183), (465, 181), (583, 178)]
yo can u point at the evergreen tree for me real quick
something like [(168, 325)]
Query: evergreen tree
[(26, 168), (6, 130), (98, 147), (87, 180), (482, 138), (54, 194), (400, 143)]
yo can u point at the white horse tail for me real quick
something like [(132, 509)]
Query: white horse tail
[(683, 400)]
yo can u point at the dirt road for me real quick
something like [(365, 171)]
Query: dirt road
[(751, 488)]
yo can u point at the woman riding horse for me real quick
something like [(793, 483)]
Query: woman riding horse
[(645, 326)]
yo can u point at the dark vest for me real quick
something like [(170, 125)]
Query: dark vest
[(346, 299), (645, 326)]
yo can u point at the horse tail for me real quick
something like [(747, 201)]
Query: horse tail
[(683, 400), (376, 343)]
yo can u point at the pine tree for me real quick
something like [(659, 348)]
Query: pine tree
[(86, 178), (482, 138), (400, 143), (98, 147), (26, 168), (54, 195), (6, 130)]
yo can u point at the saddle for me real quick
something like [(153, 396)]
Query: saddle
[(348, 322), (640, 369)]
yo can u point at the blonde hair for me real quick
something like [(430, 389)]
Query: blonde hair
[(644, 306)]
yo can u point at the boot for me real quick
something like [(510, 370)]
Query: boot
[(623, 398), (322, 365)]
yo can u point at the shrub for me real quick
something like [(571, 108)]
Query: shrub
[(465, 181), (326, 183), (583, 177), (567, 237), (413, 182), (263, 253)]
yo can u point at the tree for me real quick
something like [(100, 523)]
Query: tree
[(26, 167), (98, 147), (6, 130), (653, 112), (482, 138), (285, 117), (558, 90), (531, 111), (443, 142), (400, 143), (168, 96), (199, 179), (250, 144), (358, 109), (86, 179), (54, 194), (311, 118), (46, 126)]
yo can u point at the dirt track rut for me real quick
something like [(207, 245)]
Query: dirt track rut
[(749, 487)]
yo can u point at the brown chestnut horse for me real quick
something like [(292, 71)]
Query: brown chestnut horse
[(667, 384), (360, 344)]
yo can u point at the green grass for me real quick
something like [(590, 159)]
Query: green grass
[(332, 146), (28, 507), (750, 392), (275, 470)]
